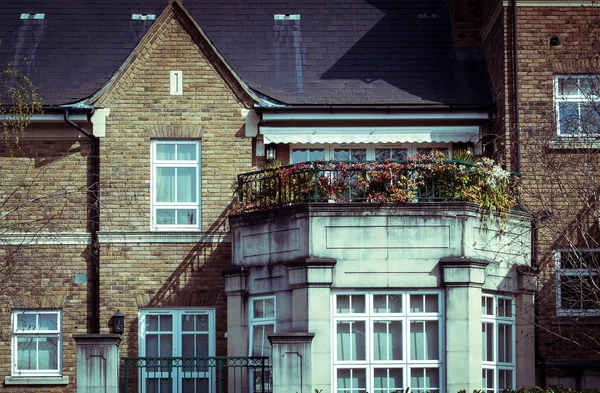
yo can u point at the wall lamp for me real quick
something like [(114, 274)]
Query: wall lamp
[(271, 153), (118, 322)]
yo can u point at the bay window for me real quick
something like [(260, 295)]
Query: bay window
[(175, 184), (386, 342), (498, 343)]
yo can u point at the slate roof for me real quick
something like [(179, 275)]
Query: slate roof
[(336, 52)]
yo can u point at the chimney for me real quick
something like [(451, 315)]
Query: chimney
[(465, 16)]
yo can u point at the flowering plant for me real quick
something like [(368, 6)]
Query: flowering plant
[(420, 178)]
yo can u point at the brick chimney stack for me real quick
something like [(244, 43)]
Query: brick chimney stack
[(465, 16)]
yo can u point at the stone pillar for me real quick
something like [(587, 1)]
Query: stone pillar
[(311, 282), (237, 322), (292, 362), (525, 330), (97, 363), (463, 279)]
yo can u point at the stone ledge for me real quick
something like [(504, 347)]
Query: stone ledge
[(36, 380)]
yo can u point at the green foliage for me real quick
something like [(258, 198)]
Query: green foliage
[(420, 178), (19, 101)]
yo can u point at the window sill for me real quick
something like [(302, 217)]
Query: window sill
[(33, 380), (565, 143)]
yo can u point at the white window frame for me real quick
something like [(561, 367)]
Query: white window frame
[(369, 317), (36, 333), (329, 148), (197, 206), (252, 322), (575, 273), (578, 98), (176, 333), (496, 320)]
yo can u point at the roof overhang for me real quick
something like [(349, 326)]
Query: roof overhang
[(371, 126)]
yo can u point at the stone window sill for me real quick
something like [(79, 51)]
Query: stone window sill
[(580, 320), (566, 143), (32, 380)]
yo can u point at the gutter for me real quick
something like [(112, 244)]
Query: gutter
[(93, 219)]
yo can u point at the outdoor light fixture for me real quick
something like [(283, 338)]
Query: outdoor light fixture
[(118, 322), (271, 154), (469, 148)]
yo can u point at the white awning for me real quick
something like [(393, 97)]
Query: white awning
[(370, 134)]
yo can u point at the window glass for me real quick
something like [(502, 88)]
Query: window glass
[(497, 343), (350, 154), (262, 321), (36, 348), (576, 280), (176, 184), (395, 346), (304, 155), (577, 109)]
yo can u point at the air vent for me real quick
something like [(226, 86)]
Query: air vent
[(428, 16), (286, 16), (143, 16), (33, 16)]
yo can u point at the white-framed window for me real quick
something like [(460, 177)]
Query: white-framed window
[(36, 343), (498, 343), (169, 333), (363, 152), (577, 282), (175, 185), (262, 322), (577, 105), (387, 341)]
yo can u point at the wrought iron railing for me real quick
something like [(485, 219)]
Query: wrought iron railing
[(195, 374), (330, 181)]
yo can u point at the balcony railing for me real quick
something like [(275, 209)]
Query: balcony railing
[(420, 180), (195, 374)]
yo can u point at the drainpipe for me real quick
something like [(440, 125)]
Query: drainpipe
[(93, 220), (516, 90)]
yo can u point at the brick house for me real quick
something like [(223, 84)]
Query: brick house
[(125, 187), (555, 152)]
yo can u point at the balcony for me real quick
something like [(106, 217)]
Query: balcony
[(420, 179)]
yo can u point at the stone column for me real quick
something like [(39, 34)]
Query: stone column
[(292, 359), (311, 282), (463, 279), (525, 351), (97, 363)]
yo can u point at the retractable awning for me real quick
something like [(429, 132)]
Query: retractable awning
[(316, 135)]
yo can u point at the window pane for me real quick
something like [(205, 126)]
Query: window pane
[(505, 308), (152, 323), (487, 305), (186, 216), (342, 304), (487, 341), (399, 154), (26, 322), (358, 304), (350, 340), (431, 303), (201, 323), (165, 184), (387, 379), (269, 308), (299, 155), (48, 321), (424, 340), (187, 345), (202, 345), (423, 303), (259, 308), (387, 303), (186, 151), (151, 344), (186, 184), (165, 216), (504, 343), (568, 113), (26, 353), (316, 154), (350, 304), (424, 379), (568, 87), (505, 379), (351, 380), (166, 323), (47, 353), (382, 154), (166, 345), (341, 155), (387, 340), (165, 151), (487, 382), (358, 154), (590, 118)]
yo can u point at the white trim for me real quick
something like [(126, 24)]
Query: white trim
[(164, 237), (36, 238), (370, 134), (12, 380), (99, 121), (176, 83), (294, 116)]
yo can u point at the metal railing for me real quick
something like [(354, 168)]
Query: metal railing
[(195, 375), (355, 182)]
